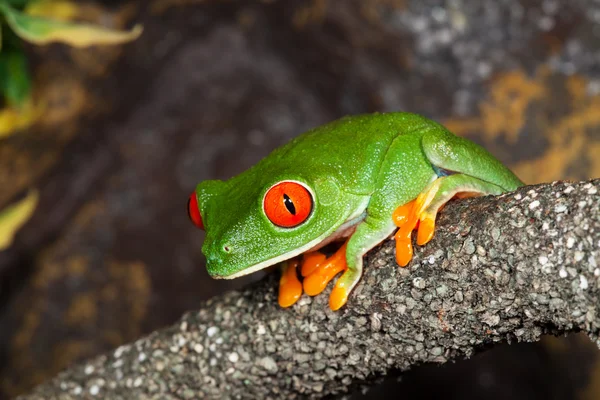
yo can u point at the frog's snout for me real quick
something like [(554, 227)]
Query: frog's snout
[(217, 260), (214, 266)]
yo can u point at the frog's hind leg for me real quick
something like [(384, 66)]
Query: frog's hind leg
[(463, 169), (451, 154), (421, 212)]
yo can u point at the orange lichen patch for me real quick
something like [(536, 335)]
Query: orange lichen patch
[(577, 88), (160, 6), (53, 271), (97, 61), (593, 152), (65, 352), (313, 13), (120, 300), (19, 167), (505, 112), (134, 276), (63, 99), (113, 337), (246, 18), (31, 321), (88, 212), (26, 156), (48, 274), (374, 10), (463, 126), (77, 266), (109, 293), (571, 138), (134, 272), (553, 164), (83, 310)]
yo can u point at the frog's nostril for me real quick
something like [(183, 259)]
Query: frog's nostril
[(226, 248)]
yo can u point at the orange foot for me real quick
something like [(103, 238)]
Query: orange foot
[(318, 270), (408, 217), (290, 288)]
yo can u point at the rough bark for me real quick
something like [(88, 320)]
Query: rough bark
[(507, 268)]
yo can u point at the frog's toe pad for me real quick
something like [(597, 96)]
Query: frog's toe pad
[(338, 297), (426, 229), (404, 251), (290, 288)]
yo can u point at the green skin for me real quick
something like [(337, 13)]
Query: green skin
[(359, 169)]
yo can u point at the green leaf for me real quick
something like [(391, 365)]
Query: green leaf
[(13, 217), (19, 4), (40, 30), (15, 83)]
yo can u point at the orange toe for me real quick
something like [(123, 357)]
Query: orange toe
[(311, 261), (338, 297), (316, 282), (318, 279), (402, 213), (426, 229), (404, 249), (290, 288), (404, 252), (407, 218)]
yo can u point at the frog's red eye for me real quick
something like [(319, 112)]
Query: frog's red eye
[(288, 204), (194, 211)]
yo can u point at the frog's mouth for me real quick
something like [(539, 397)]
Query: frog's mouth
[(344, 231)]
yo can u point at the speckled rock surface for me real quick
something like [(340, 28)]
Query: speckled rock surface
[(509, 268)]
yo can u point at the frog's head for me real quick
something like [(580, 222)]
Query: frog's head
[(253, 222)]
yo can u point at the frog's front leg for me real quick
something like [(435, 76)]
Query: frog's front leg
[(318, 271)]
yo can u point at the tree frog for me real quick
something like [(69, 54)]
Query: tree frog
[(358, 179)]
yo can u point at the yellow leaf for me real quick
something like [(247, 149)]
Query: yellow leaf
[(40, 30), (56, 9), (15, 216), (13, 119)]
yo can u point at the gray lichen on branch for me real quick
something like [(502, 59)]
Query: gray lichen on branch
[(505, 268)]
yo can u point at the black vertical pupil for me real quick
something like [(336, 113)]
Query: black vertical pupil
[(289, 204)]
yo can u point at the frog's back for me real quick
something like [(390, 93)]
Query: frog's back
[(350, 149)]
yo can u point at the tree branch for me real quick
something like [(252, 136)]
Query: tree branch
[(506, 268)]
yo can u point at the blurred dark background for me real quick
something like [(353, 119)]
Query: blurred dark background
[(213, 86)]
